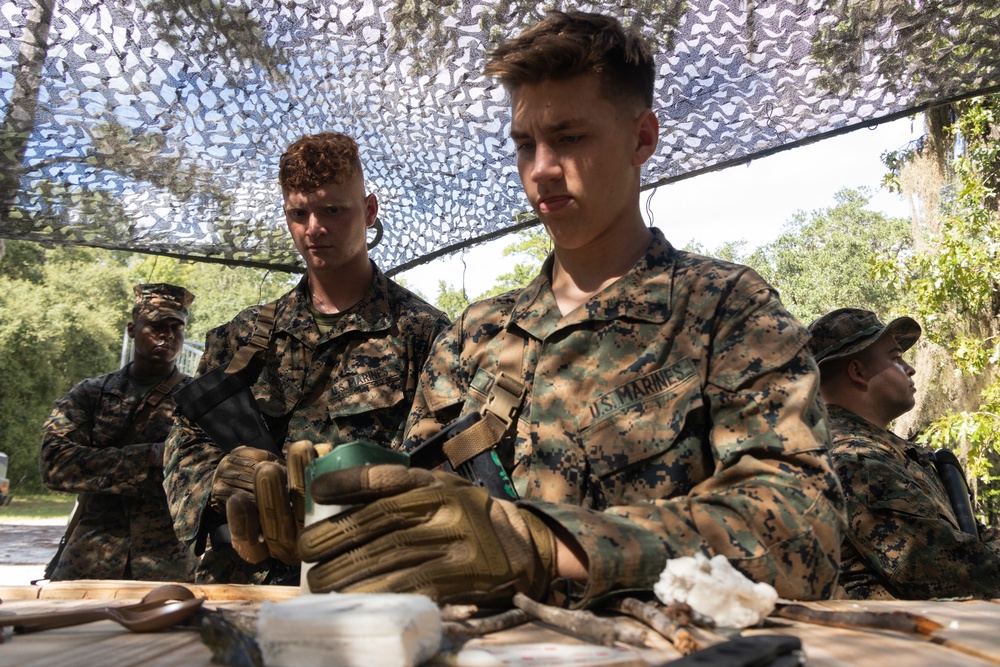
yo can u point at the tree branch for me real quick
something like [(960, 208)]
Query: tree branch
[(604, 631), (675, 633)]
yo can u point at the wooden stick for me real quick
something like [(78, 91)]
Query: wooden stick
[(675, 633), (473, 627), (604, 631), (898, 621)]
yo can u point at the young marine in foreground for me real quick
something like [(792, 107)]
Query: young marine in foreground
[(670, 404)]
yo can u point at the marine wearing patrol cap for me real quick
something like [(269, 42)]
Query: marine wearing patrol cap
[(160, 301), (847, 331)]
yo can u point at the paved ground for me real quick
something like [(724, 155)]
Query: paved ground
[(25, 548)]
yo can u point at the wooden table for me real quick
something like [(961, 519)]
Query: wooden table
[(970, 632)]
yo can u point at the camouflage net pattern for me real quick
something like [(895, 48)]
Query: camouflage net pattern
[(157, 125)]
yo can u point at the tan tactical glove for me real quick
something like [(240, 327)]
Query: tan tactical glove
[(263, 500), (424, 532)]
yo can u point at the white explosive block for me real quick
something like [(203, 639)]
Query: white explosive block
[(349, 630)]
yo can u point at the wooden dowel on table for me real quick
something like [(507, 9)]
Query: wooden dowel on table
[(604, 631), (897, 621), (474, 627), (676, 634)]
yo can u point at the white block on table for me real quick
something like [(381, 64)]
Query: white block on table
[(349, 630)]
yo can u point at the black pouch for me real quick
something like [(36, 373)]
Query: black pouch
[(223, 406), (953, 478)]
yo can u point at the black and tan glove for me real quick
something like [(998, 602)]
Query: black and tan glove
[(263, 499), (425, 532)]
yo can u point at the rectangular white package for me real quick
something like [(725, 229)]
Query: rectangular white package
[(349, 630)]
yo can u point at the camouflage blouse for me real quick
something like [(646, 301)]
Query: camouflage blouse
[(355, 382), (675, 412), (902, 539), (125, 530)]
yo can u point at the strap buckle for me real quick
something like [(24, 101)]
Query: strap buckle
[(262, 328), (505, 398)]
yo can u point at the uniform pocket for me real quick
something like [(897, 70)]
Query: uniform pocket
[(638, 421), (912, 493), (369, 390), (279, 388)]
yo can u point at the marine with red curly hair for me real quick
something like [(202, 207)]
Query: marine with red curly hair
[(342, 364)]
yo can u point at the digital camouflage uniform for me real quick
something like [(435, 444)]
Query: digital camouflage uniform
[(354, 383), (903, 540), (125, 524), (675, 412)]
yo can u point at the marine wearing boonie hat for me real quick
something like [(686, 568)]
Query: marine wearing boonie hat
[(160, 301), (847, 331)]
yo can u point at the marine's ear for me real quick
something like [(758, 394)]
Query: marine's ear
[(648, 136), (857, 372)]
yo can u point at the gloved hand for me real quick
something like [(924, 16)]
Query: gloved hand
[(235, 474), (425, 532), (264, 500)]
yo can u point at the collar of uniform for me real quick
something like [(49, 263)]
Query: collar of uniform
[(864, 427), (372, 313), (641, 294)]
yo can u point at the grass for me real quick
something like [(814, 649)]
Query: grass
[(38, 506)]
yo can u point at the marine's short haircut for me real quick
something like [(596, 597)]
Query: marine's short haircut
[(568, 44), (317, 159)]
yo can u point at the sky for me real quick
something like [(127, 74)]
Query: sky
[(749, 202)]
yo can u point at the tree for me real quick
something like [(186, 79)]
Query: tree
[(451, 300), (63, 313), (955, 280), (730, 251), (825, 259), (532, 246), (59, 323)]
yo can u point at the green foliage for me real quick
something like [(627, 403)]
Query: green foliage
[(22, 261), (730, 251), (532, 245), (895, 160), (50, 505), (451, 300), (956, 283), (53, 332), (826, 259), (223, 291), (974, 434), (63, 313)]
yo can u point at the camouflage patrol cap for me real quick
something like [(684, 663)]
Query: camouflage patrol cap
[(160, 301), (847, 331)]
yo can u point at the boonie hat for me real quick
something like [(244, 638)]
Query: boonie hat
[(160, 301), (847, 331)]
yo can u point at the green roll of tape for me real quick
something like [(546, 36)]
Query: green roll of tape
[(349, 455)]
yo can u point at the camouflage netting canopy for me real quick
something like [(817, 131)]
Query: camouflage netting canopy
[(156, 125)]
